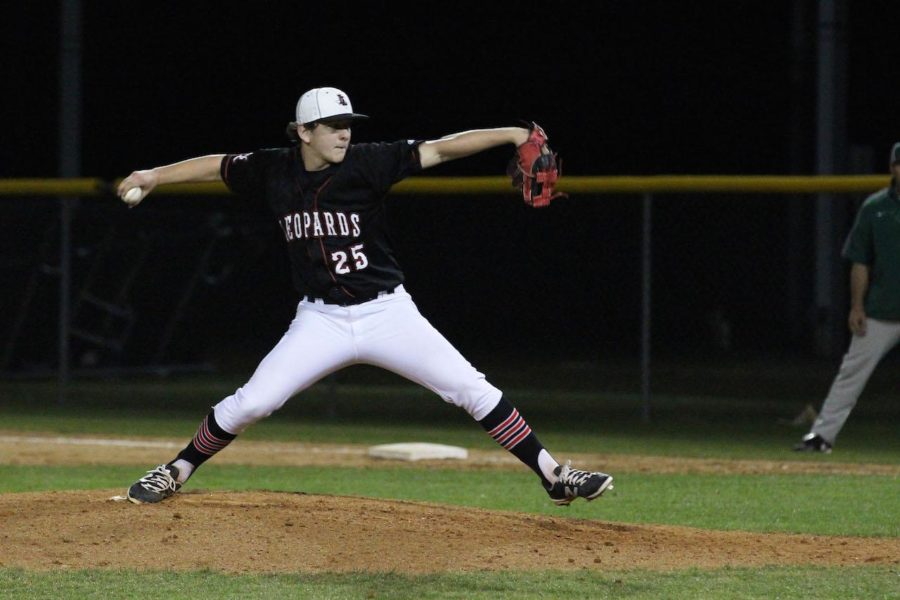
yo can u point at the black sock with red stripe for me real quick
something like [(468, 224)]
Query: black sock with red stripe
[(209, 439), (509, 429)]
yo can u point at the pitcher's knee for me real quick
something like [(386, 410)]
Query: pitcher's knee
[(477, 401), (240, 410)]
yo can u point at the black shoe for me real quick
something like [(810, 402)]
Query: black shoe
[(572, 483), (813, 442), (155, 486)]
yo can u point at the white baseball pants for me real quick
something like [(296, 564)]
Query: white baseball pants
[(860, 361), (387, 332)]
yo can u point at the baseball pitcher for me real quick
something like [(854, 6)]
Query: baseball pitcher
[(327, 197)]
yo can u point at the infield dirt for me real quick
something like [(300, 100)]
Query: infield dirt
[(295, 532)]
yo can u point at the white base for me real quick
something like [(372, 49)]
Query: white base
[(417, 451)]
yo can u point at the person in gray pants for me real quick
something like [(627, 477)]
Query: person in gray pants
[(873, 248)]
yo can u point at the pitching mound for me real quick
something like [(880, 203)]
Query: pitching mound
[(281, 532)]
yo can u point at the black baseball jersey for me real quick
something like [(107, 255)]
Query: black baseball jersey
[(333, 220)]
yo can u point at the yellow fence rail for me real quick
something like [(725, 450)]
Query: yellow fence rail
[(617, 184), (645, 186)]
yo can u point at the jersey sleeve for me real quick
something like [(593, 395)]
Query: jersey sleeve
[(859, 247), (385, 164), (244, 173)]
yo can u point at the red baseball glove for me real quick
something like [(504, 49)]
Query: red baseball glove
[(535, 169)]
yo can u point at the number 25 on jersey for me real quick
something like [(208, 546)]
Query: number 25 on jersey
[(355, 261)]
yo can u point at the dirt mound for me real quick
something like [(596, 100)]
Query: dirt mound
[(283, 532)]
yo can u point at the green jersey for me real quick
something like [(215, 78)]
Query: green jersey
[(875, 241)]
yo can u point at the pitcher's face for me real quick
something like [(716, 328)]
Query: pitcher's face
[(327, 144)]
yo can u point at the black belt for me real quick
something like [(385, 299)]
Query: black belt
[(339, 297)]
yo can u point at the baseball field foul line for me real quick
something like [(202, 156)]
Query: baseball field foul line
[(80, 441), (15, 439)]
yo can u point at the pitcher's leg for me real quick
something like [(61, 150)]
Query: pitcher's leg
[(396, 337), (404, 342), (312, 347), (862, 357)]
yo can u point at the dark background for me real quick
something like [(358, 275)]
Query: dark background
[(621, 87)]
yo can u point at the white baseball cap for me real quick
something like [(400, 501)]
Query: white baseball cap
[(325, 104)]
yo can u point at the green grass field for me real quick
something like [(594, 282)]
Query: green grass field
[(762, 584), (567, 420)]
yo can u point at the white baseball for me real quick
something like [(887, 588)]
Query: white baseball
[(133, 196)]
